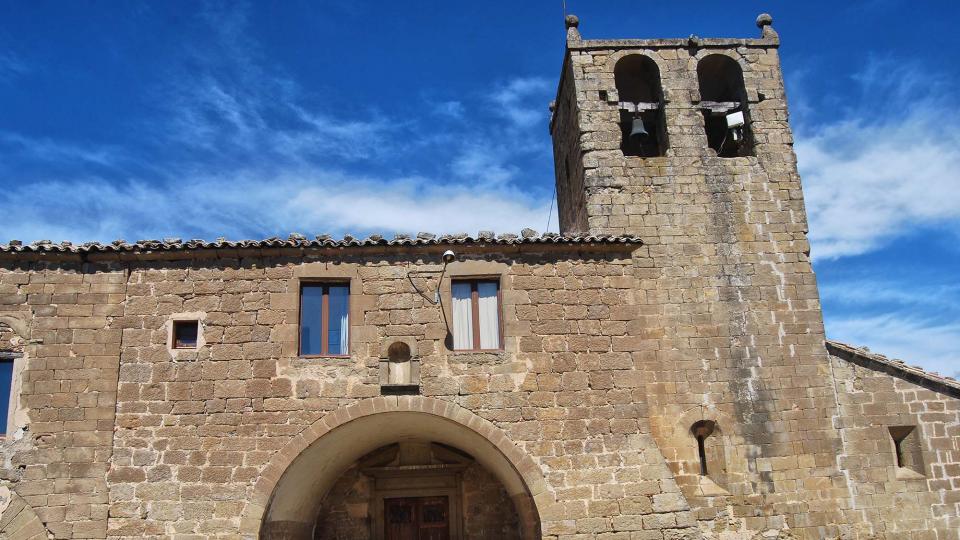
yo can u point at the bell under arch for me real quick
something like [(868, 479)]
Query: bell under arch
[(642, 117), (307, 470)]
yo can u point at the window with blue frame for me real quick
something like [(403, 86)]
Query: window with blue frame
[(325, 319), (6, 386)]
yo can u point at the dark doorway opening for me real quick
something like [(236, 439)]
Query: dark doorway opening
[(417, 518)]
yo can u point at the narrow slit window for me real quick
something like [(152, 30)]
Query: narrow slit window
[(701, 430), (185, 334), (703, 456), (325, 319), (907, 448), (899, 452), (476, 315)]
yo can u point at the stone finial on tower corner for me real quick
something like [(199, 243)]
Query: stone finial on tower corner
[(765, 24), (572, 23)]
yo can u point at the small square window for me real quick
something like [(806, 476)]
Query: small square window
[(325, 319), (185, 334), (476, 315)]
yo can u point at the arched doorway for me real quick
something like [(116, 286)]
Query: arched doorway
[(417, 489), (299, 487)]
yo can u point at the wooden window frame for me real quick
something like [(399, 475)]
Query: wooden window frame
[(475, 311), (324, 319), (182, 323)]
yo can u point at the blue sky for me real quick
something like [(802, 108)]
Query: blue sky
[(200, 120)]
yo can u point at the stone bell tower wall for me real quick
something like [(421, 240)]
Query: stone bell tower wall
[(729, 327)]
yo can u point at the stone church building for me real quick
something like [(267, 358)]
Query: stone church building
[(656, 371)]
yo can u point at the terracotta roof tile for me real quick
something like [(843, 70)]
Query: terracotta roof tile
[(893, 364), (296, 240)]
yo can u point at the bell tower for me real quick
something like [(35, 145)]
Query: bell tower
[(635, 118), (685, 143)]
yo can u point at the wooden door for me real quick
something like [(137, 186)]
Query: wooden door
[(416, 518), (434, 518)]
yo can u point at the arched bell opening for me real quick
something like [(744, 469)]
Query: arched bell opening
[(723, 102), (642, 118), (327, 480)]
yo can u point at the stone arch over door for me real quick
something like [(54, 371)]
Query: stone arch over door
[(292, 486)]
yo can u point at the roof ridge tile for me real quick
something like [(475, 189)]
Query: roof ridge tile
[(526, 236)]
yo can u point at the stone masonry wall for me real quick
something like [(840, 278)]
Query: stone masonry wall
[(571, 197), (194, 428), (345, 512), (56, 462), (895, 502), (487, 509)]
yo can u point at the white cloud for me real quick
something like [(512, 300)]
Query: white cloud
[(884, 167), (916, 341), (451, 109), (514, 103), (867, 292), (50, 150), (256, 204), (11, 66), (247, 153)]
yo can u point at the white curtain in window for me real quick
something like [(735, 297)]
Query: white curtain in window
[(462, 317), (340, 314), (489, 316)]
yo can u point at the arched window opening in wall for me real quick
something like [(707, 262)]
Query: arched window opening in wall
[(711, 454), (399, 370), (701, 431), (642, 119), (399, 355), (723, 102)]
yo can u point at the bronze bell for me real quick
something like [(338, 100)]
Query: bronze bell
[(638, 132)]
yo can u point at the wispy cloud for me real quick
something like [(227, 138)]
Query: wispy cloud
[(254, 155), (260, 204), (226, 98), (50, 150), (887, 164), (451, 109), (11, 66), (512, 100), (862, 293)]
